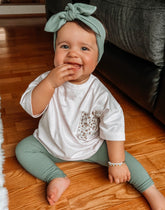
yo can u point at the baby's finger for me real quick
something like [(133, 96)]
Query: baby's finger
[(117, 181), (125, 179), (65, 67), (69, 78), (67, 72), (110, 179), (128, 177)]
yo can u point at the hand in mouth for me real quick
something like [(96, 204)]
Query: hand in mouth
[(75, 66)]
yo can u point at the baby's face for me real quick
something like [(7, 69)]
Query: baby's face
[(78, 47)]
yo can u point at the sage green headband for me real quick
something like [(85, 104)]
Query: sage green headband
[(83, 13)]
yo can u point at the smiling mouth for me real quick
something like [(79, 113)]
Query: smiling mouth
[(76, 66)]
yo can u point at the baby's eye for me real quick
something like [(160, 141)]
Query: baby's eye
[(84, 48), (64, 46)]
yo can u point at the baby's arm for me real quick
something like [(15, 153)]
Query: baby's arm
[(116, 153), (43, 92)]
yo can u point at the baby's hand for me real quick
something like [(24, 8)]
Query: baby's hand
[(119, 174), (60, 75)]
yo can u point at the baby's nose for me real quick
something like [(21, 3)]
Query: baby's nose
[(72, 53)]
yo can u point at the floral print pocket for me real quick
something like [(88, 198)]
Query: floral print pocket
[(88, 126)]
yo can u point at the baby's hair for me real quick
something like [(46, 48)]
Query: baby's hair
[(86, 27), (83, 25)]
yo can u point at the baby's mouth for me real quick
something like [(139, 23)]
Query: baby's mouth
[(76, 66)]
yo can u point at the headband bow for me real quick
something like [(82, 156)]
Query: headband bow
[(83, 13)]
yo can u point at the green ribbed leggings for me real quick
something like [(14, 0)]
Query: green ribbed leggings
[(41, 164)]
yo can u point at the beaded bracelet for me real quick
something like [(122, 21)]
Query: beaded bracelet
[(116, 164)]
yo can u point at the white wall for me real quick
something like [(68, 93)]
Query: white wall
[(22, 9)]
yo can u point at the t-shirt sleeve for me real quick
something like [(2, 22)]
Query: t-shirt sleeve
[(112, 126), (26, 101)]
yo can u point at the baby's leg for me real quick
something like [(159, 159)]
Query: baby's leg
[(139, 177), (38, 162), (154, 198), (144, 184)]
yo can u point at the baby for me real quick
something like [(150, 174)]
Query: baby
[(81, 120)]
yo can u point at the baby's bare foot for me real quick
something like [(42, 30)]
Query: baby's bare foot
[(55, 189)]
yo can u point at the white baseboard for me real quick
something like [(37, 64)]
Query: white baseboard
[(22, 9)]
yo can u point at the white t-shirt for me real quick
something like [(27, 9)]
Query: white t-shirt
[(78, 119)]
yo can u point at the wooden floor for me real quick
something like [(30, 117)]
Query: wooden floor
[(25, 52)]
